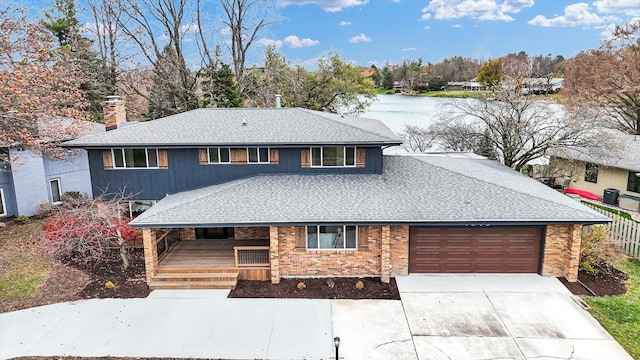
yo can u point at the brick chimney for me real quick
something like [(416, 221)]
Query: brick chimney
[(114, 112)]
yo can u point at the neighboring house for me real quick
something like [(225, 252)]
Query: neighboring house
[(32, 177), (619, 170), (272, 193)]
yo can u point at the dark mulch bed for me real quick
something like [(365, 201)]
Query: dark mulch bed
[(318, 288), (608, 281), (129, 283)]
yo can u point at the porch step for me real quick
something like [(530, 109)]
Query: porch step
[(195, 279), (193, 270), (192, 285)]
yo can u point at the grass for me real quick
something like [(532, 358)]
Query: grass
[(21, 271), (620, 315), (454, 93)]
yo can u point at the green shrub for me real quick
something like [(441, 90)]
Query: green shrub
[(22, 219), (301, 285), (359, 285)]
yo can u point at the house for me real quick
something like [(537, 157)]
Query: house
[(30, 177), (618, 170), (288, 192)]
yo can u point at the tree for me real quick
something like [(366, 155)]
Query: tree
[(38, 86), (490, 73), (520, 129), (387, 77), (608, 77), (219, 87), (245, 19), (417, 139), (86, 228)]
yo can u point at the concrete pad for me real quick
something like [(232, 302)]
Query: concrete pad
[(438, 283), (189, 294), (547, 315), (466, 348), (577, 349), (301, 330), (452, 314), (372, 329), (523, 283)]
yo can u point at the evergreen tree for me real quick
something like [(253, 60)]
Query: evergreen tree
[(219, 87)]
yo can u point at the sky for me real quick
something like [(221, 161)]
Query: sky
[(375, 31), (365, 32)]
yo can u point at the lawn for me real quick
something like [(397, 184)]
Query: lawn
[(22, 267), (454, 93), (620, 315)]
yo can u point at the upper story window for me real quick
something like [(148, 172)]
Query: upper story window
[(633, 183), (258, 155), (218, 155), (3, 209), (591, 173), (333, 156), (135, 158), (339, 237)]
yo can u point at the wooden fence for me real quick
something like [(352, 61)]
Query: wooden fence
[(624, 231)]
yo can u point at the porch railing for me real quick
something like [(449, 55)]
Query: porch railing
[(251, 256)]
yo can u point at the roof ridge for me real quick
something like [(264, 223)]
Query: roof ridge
[(322, 115), (493, 184)]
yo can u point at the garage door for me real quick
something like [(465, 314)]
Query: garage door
[(474, 250)]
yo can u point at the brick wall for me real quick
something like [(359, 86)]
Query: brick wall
[(187, 234), (399, 250), (299, 262), (562, 251), (150, 253), (251, 232)]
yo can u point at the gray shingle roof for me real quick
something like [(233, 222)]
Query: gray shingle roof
[(417, 189), (284, 126), (624, 152)]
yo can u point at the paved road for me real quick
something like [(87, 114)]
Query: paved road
[(439, 317)]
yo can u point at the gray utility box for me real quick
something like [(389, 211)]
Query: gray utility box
[(630, 202), (610, 196)]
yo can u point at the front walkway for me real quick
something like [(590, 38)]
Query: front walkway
[(439, 317)]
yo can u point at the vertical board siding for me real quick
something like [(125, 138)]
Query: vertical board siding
[(625, 232)]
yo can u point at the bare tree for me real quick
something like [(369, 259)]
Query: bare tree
[(109, 37), (86, 228), (417, 139), (245, 19), (520, 129), (609, 76)]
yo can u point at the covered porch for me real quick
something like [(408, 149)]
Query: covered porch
[(176, 259)]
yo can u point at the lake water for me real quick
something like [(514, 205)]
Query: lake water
[(396, 111)]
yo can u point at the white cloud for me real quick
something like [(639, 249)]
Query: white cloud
[(326, 5), (189, 28), (345, 23), (578, 14), (427, 27), (488, 10), (360, 38), (293, 41), (269, 42), (409, 49), (457, 26), (626, 7)]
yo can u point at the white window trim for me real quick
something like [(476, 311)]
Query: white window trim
[(146, 158), (344, 231), (218, 150), (344, 158), (3, 204), (59, 190), (260, 161)]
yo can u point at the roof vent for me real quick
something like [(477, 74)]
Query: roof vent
[(244, 122)]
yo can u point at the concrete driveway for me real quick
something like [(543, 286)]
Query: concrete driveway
[(473, 317)]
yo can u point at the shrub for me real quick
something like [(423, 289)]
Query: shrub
[(359, 285), (597, 249), (22, 219), (301, 285)]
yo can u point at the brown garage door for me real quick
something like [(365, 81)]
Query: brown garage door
[(474, 250)]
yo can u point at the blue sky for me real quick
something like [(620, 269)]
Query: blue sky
[(375, 31), (367, 32)]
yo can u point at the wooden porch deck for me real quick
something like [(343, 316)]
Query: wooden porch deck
[(205, 264)]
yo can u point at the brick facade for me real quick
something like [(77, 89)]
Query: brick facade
[(562, 251), (187, 234), (251, 233), (150, 253), (386, 248)]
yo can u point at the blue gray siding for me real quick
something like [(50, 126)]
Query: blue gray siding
[(73, 172), (29, 181), (185, 172)]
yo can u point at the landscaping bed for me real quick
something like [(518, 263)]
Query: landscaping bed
[(608, 281)]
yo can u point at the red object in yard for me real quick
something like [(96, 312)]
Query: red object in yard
[(585, 194)]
